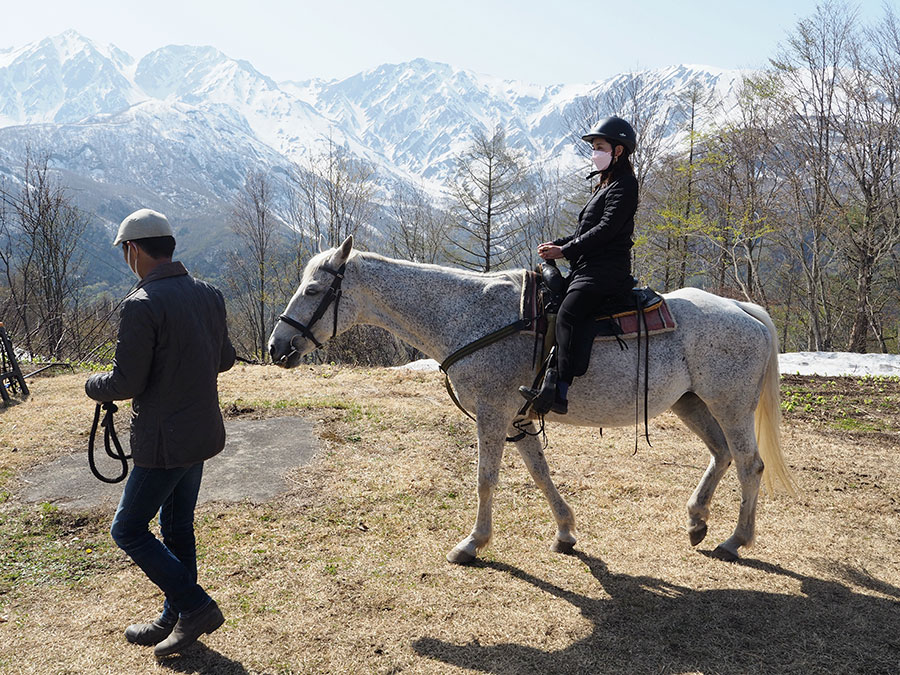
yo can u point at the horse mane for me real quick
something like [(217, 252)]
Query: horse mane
[(514, 276)]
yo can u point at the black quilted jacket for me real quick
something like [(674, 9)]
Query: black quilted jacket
[(172, 344)]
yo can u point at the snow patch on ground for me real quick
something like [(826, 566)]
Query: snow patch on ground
[(832, 364), (421, 364)]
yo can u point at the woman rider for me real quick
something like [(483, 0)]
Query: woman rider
[(599, 252)]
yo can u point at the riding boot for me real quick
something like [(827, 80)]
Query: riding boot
[(560, 402), (149, 634)]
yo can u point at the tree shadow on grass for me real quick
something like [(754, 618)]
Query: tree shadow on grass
[(650, 625)]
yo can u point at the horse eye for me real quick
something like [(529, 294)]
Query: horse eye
[(311, 291)]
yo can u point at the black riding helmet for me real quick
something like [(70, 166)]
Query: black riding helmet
[(614, 129)]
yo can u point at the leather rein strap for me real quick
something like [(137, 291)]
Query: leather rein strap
[(332, 294), (471, 348)]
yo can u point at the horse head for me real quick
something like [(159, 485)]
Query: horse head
[(318, 311)]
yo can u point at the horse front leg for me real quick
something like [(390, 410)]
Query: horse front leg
[(532, 454), (491, 437)]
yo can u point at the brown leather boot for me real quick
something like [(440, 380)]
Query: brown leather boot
[(189, 628), (149, 634)]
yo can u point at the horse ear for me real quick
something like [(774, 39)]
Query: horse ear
[(344, 251), (323, 244)]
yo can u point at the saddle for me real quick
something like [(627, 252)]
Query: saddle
[(545, 288), (542, 295)]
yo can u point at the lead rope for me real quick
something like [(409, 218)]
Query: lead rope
[(109, 433)]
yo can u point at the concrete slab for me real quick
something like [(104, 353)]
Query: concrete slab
[(252, 466)]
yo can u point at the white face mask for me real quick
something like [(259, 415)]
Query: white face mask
[(128, 260), (601, 159)]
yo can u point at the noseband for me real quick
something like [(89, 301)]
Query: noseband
[(332, 294)]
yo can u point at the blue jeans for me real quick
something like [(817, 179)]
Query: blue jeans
[(171, 563)]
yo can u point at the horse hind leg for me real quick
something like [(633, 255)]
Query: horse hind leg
[(697, 417), (741, 436), (532, 453)]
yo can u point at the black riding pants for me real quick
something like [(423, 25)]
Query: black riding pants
[(574, 327)]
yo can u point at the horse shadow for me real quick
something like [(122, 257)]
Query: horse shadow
[(651, 625)]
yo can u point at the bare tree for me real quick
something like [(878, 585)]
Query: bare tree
[(739, 192), (250, 268), (869, 122), (41, 229), (807, 141), (17, 255), (548, 211), (487, 192), (418, 230), (332, 198)]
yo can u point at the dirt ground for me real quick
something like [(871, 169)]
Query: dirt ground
[(345, 572)]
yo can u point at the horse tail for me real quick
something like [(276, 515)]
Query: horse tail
[(768, 411)]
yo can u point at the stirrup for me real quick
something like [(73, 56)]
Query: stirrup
[(542, 400)]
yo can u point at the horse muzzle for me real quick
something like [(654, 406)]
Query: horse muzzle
[(284, 353)]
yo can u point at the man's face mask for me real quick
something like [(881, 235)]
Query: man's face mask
[(131, 252)]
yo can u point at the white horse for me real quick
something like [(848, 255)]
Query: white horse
[(715, 371)]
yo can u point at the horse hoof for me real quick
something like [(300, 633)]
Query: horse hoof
[(460, 557), (721, 553), (697, 534), (567, 547)]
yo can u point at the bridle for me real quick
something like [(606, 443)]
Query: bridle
[(333, 294)]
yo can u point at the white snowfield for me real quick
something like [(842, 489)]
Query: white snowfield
[(838, 363), (830, 364)]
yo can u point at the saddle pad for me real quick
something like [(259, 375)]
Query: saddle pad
[(623, 325), (657, 317)]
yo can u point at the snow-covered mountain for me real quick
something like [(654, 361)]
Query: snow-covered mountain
[(64, 79), (179, 129)]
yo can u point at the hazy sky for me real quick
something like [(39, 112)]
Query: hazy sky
[(540, 41)]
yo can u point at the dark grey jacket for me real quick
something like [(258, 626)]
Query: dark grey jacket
[(172, 344)]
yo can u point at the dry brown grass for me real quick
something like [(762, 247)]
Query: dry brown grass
[(346, 573)]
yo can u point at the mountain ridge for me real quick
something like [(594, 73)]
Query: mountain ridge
[(186, 122)]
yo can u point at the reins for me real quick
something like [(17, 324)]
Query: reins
[(481, 343), (642, 323), (109, 434), (471, 348)]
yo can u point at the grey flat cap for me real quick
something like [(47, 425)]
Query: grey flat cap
[(143, 224)]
